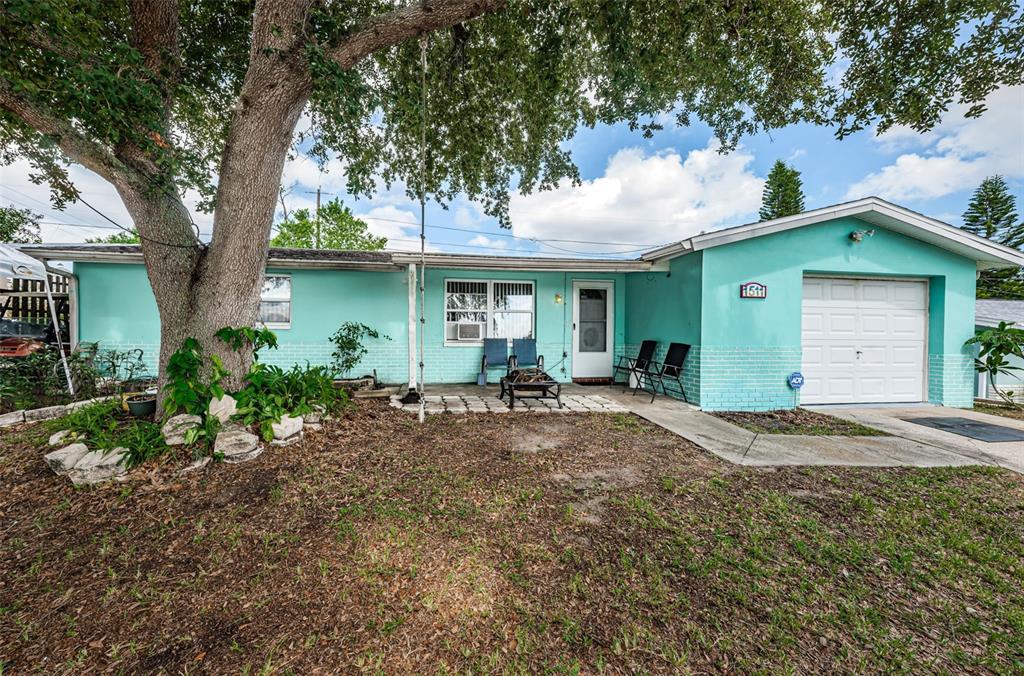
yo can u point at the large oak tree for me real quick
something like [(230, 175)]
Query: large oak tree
[(161, 96)]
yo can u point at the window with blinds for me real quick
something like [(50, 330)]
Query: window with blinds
[(477, 309), (276, 302)]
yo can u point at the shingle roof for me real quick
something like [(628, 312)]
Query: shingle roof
[(989, 312), (324, 256)]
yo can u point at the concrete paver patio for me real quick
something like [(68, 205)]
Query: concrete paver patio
[(477, 399)]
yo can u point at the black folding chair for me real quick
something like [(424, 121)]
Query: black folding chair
[(632, 365), (669, 371), (524, 354)]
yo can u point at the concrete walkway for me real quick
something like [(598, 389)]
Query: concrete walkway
[(907, 447), (893, 419)]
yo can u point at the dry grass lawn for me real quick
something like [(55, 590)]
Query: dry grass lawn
[(516, 543)]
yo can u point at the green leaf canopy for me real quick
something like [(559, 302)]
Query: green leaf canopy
[(504, 89)]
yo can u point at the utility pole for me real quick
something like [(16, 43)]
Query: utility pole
[(318, 217)]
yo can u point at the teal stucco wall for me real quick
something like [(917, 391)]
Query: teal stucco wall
[(553, 322), (748, 347), (666, 307), (117, 309)]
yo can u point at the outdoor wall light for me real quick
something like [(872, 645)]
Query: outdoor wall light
[(857, 236), (558, 299)]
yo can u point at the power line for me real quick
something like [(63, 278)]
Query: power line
[(640, 246), (139, 234), (488, 248)]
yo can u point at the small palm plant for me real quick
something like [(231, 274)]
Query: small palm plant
[(994, 346)]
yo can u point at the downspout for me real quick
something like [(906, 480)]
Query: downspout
[(412, 395), (73, 327)]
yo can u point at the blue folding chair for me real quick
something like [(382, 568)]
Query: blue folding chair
[(495, 356), (524, 354)]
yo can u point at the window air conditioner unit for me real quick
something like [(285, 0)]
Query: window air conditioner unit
[(471, 332)]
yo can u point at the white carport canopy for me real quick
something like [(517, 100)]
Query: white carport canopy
[(16, 265)]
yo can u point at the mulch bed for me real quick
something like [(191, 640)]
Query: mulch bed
[(798, 421), (1000, 410), (515, 543)]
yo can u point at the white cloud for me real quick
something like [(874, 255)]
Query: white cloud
[(954, 156), (644, 199), (400, 226), (490, 243), (72, 223)]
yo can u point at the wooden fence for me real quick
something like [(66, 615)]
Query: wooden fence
[(26, 300)]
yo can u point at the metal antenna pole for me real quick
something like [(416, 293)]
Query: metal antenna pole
[(423, 214)]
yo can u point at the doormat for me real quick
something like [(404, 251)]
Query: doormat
[(975, 429), (592, 381)]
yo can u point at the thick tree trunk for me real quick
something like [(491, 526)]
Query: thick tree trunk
[(193, 299), (201, 289)]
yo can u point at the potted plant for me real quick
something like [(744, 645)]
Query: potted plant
[(141, 404)]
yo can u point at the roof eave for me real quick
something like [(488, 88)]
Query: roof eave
[(122, 257), (521, 263)]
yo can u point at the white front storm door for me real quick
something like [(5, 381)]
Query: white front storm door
[(593, 324)]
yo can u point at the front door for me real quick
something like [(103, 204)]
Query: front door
[(593, 323)]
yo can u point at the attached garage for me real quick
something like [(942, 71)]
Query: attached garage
[(868, 301), (864, 340)]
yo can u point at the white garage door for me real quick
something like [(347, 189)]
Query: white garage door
[(863, 340)]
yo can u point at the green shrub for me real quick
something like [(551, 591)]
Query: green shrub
[(994, 346), (271, 392), (39, 380), (104, 426), (188, 388), (348, 345)]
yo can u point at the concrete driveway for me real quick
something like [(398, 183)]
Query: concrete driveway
[(910, 446), (891, 419)]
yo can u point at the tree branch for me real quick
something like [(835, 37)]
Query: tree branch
[(75, 145), (155, 34), (406, 23)]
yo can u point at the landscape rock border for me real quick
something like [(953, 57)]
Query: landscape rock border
[(47, 412)]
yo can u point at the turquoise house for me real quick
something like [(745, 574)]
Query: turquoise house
[(869, 301)]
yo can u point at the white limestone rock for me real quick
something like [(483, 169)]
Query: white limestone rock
[(223, 408), (63, 460), (99, 466), (74, 406), (288, 441), (175, 428), (12, 418), (237, 445), (47, 413), (57, 438), (195, 465), (287, 427)]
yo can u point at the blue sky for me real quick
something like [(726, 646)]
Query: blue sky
[(639, 192)]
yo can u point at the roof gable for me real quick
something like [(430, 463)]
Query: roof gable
[(872, 210)]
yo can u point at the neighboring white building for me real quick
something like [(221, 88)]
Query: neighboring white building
[(987, 314)]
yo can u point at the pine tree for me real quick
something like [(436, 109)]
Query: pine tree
[(992, 214), (783, 192)]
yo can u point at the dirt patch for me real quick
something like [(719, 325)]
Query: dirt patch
[(798, 421), (544, 439)]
